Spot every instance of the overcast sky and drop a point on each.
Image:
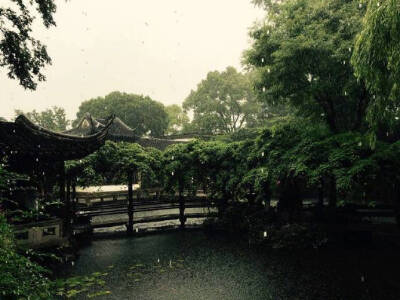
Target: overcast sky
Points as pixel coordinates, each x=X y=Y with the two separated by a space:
x=158 y=48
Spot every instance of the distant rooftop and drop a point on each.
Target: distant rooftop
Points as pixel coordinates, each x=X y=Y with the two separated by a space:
x=119 y=131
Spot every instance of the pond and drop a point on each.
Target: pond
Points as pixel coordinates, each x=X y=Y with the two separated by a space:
x=193 y=265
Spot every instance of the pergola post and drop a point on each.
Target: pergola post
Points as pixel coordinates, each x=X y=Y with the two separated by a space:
x=73 y=198
x=130 y=203
x=68 y=205
x=182 y=217
x=67 y=221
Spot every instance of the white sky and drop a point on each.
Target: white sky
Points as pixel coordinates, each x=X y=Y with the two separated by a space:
x=159 y=48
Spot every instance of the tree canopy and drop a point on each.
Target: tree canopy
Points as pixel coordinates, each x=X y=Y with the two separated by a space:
x=52 y=118
x=223 y=102
x=141 y=113
x=302 y=57
x=20 y=52
x=177 y=119
x=376 y=58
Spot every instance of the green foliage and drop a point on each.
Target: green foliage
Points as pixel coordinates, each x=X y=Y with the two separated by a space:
x=301 y=55
x=22 y=54
x=73 y=286
x=223 y=103
x=52 y=118
x=141 y=113
x=376 y=59
x=112 y=162
x=177 y=119
x=20 y=278
x=296 y=236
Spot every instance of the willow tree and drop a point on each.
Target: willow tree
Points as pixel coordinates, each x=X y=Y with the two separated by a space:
x=376 y=59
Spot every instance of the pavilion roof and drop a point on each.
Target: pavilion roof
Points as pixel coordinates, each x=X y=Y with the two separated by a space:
x=27 y=139
x=119 y=132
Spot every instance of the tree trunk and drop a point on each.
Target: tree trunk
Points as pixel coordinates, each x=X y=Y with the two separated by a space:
x=332 y=194
x=320 y=203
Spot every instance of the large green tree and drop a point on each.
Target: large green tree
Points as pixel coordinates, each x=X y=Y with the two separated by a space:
x=177 y=119
x=223 y=102
x=302 y=56
x=376 y=59
x=52 y=118
x=20 y=52
x=141 y=113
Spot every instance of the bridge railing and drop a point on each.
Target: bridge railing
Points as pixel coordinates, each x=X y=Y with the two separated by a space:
x=149 y=205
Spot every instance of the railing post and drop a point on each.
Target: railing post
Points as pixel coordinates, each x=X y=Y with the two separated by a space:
x=130 y=202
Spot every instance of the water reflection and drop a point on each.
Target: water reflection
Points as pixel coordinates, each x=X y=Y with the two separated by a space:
x=192 y=265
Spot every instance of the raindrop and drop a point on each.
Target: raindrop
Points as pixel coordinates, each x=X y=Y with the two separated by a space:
x=349 y=49
x=172 y=173
x=359 y=5
x=344 y=62
x=362 y=278
x=13 y=130
x=38 y=146
x=396 y=118
x=378 y=4
x=262 y=154
x=269 y=70
x=345 y=93
x=322 y=115
x=265 y=234
x=360 y=144
x=268 y=31
x=172 y=157
x=263 y=89
x=262 y=59
x=158 y=260
x=37 y=159
x=309 y=77
x=72 y=263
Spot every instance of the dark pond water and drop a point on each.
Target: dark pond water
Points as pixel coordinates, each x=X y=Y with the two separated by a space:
x=193 y=265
